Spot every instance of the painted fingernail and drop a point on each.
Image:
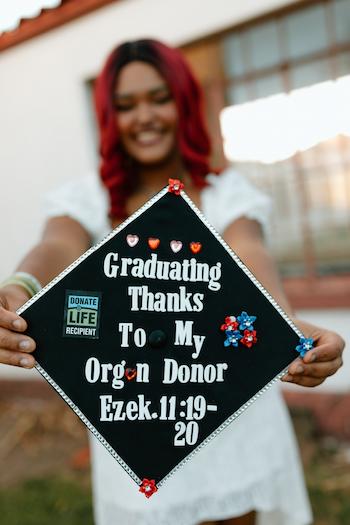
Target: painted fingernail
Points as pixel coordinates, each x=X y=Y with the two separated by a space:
x=25 y=344
x=17 y=324
x=25 y=362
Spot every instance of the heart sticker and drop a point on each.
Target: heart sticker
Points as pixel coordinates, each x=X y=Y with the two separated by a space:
x=132 y=240
x=195 y=247
x=176 y=246
x=153 y=243
x=130 y=373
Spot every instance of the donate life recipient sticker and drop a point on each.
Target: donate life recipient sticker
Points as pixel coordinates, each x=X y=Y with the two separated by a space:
x=159 y=337
x=81 y=314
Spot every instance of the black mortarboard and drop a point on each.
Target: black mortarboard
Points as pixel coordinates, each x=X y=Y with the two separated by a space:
x=159 y=336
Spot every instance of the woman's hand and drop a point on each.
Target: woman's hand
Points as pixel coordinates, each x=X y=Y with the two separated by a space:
x=63 y=241
x=15 y=348
x=319 y=363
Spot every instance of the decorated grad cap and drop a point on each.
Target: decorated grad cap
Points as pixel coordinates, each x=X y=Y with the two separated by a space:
x=159 y=336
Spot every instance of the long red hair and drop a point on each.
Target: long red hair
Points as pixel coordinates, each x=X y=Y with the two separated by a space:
x=194 y=143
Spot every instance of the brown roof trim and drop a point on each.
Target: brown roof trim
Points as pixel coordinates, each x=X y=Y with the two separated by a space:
x=49 y=19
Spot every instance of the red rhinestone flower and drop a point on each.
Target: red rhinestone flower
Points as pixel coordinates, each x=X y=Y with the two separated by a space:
x=229 y=324
x=249 y=338
x=148 y=487
x=175 y=186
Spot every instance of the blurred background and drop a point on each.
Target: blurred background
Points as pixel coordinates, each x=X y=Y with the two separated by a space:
x=276 y=76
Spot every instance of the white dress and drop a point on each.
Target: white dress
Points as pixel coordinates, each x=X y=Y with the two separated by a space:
x=254 y=463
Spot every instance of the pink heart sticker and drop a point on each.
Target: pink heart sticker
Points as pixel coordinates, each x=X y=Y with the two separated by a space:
x=176 y=246
x=132 y=240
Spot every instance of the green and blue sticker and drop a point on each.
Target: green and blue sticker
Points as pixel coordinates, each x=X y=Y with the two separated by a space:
x=82 y=314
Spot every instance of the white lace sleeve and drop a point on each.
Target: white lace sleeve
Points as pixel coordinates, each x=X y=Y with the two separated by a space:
x=231 y=196
x=83 y=199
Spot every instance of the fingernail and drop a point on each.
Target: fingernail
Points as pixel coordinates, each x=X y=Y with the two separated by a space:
x=313 y=357
x=287 y=377
x=25 y=362
x=25 y=344
x=17 y=324
x=299 y=369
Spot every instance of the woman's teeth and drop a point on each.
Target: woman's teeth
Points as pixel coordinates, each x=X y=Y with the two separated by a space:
x=148 y=137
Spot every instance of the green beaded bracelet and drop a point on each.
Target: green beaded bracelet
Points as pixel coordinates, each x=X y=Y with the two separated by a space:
x=27 y=281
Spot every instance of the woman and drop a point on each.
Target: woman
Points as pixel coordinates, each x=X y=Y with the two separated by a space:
x=151 y=128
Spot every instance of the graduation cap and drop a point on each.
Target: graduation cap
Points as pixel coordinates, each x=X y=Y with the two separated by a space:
x=159 y=336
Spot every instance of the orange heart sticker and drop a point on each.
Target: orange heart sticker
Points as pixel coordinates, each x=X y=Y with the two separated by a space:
x=153 y=243
x=195 y=247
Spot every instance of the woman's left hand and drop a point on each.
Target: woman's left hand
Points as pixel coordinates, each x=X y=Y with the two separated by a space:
x=319 y=363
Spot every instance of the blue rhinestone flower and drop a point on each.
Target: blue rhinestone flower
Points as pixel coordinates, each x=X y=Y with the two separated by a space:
x=232 y=338
x=246 y=321
x=305 y=344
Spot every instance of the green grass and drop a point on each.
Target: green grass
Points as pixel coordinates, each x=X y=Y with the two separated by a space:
x=51 y=501
x=330 y=508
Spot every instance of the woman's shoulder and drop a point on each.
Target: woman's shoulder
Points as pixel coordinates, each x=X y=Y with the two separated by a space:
x=230 y=179
x=82 y=198
x=231 y=195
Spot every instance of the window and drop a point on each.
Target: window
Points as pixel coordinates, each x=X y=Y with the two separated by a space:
x=294 y=49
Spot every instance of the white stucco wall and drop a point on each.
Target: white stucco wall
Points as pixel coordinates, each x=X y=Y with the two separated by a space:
x=46 y=129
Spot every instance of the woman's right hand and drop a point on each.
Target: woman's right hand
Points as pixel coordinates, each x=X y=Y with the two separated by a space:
x=15 y=347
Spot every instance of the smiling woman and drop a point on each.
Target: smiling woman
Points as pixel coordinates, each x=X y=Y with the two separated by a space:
x=149 y=108
x=151 y=128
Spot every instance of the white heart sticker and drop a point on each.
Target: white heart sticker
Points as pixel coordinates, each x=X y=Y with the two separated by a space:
x=132 y=240
x=176 y=246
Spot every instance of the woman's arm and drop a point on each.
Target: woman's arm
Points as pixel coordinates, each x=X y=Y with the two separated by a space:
x=245 y=238
x=63 y=241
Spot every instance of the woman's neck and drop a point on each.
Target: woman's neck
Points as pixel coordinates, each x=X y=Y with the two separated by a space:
x=153 y=178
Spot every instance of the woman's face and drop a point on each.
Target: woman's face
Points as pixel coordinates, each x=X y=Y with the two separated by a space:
x=146 y=114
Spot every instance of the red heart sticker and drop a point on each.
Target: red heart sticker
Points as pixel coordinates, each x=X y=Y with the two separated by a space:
x=196 y=247
x=130 y=373
x=153 y=243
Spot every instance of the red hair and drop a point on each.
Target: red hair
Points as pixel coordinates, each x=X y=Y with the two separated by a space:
x=193 y=138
